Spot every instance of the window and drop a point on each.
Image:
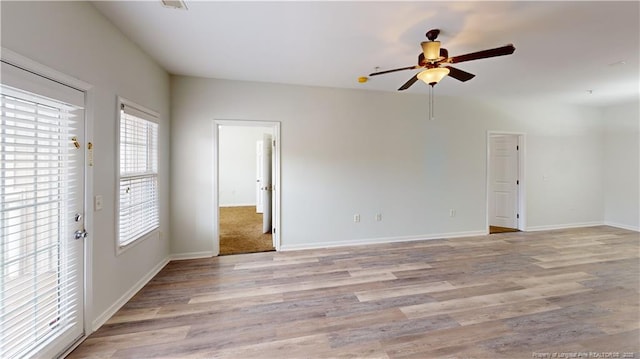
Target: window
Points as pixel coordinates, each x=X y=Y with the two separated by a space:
x=138 y=179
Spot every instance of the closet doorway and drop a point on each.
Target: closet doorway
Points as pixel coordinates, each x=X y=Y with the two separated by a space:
x=505 y=184
x=247 y=172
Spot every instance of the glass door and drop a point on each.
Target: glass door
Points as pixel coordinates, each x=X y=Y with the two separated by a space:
x=41 y=215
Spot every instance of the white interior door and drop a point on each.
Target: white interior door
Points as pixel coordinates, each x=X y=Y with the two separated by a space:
x=259 y=167
x=266 y=183
x=41 y=209
x=503 y=179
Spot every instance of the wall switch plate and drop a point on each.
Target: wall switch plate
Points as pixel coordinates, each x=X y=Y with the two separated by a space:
x=356 y=218
x=379 y=217
x=452 y=213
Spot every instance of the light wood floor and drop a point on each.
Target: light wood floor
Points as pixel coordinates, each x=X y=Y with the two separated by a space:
x=511 y=295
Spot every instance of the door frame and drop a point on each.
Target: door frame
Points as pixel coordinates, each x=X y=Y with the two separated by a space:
x=276 y=218
x=258 y=188
x=522 y=189
x=39 y=69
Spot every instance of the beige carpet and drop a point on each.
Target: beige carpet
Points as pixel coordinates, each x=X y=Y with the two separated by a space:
x=496 y=229
x=241 y=231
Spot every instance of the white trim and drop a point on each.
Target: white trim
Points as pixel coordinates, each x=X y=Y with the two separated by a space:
x=42 y=70
x=153 y=117
x=104 y=317
x=216 y=189
x=522 y=188
x=88 y=210
x=276 y=218
x=522 y=174
x=192 y=255
x=238 y=205
x=552 y=227
x=382 y=240
x=622 y=226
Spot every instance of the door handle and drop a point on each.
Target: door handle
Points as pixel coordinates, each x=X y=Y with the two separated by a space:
x=80 y=234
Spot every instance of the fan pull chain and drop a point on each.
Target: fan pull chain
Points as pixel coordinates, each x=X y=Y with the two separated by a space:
x=431 y=110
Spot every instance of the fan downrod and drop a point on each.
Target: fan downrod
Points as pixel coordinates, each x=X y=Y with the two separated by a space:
x=432 y=35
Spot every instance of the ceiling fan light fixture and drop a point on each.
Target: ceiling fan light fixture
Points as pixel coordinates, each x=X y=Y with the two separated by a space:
x=434 y=75
x=174 y=4
x=431 y=50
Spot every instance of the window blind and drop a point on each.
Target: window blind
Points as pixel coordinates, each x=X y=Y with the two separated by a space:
x=38 y=276
x=138 y=204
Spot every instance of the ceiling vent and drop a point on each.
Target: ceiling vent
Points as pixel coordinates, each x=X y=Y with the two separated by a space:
x=174 y=4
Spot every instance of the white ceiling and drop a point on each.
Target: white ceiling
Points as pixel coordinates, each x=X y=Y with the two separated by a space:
x=564 y=49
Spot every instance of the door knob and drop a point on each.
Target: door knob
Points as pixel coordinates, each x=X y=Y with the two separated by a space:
x=80 y=234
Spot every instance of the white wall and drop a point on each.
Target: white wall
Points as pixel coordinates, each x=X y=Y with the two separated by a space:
x=73 y=38
x=622 y=166
x=237 y=158
x=350 y=151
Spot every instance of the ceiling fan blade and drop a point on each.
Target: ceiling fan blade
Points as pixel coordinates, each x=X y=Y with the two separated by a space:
x=394 y=70
x=409 y=83
x=498 y=51
x=459 y=74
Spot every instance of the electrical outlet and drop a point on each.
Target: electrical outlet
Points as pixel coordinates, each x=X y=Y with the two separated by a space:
x=98 y=202
x=356 y=218
x=379 y=217
x=452 y=213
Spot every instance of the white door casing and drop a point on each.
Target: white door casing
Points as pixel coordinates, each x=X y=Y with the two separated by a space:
x=275 y=176
x=503 y=181
x=266 y=182
x=274 y=181
x=259 y=167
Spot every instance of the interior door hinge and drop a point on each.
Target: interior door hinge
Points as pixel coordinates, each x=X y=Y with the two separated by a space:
x=517 y=182
x=274 y=143
x=518 y=215
x=273 y=230
x=517 y=148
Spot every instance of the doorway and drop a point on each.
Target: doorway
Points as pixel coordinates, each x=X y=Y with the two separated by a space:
x=505 y=185
x=247 y=186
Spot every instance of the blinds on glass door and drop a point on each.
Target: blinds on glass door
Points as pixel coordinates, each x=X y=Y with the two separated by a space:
x=138 y=205
x=38 y=163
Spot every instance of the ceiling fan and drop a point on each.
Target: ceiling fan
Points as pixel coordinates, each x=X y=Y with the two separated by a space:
x=435 y=62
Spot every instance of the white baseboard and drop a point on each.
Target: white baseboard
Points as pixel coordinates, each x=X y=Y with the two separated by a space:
x=239 y=205
x=563 y=226
x=102 y=318
x=192 y=255
x=622 y=226
x=358 y=242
